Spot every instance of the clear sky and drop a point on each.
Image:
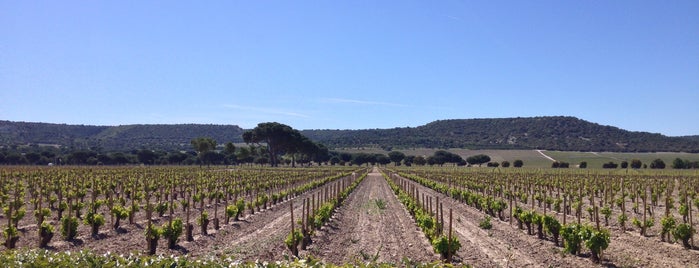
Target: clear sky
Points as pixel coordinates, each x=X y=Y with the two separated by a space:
x=350 y=64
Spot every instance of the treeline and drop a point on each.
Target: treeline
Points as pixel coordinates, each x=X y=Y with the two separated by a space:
x=113 y=138
x=658 y=163
x=549 y=133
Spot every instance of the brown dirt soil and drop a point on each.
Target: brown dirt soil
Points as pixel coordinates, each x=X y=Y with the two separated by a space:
x=506 y=245
x=372 y=224
x=501 y=246
x=255 y=237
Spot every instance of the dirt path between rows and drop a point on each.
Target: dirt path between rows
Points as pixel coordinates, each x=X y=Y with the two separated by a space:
x=257 y=237
x=503 y=245
x=372 y=225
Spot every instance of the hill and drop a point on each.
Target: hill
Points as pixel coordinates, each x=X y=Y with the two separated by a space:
x=115 y=138
x=549 y=133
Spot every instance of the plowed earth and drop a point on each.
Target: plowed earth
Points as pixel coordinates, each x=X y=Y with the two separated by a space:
x=507 y=246
x=372 y=225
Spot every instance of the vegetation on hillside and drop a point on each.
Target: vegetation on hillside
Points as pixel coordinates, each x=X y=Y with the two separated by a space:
x=114 y=138
x=549 y=133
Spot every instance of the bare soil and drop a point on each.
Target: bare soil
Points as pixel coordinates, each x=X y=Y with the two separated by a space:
x=361 y=230
x=507 y=246
x=258 y=236
x=372 y=225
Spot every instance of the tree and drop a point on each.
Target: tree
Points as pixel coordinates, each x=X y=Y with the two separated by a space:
x=676 y=164
x=203 y=145
x=396 y=157
x=212 y=157
x=176 y=157
x=146 y=156
x=383 y=159
x=431 y=161
x=278 y=138
x=624 y=164
x=408 y=160
x=80 y=157
x=244 y=155
x=360 y=159
x=419 y=160
x=478 y=159
x=32 y=157
x=611 y=164
x=441 y=157
x=583 y=164
x=346 y=157
x=321 y=153
x=229 y=148
x=334 y=160
x=16 y=159
x=657 y=164
x=505 y=164
x=636 y=164
x=518 y=163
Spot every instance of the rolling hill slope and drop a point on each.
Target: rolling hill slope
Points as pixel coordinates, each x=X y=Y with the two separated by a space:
x=115 y=138
x=550 y=133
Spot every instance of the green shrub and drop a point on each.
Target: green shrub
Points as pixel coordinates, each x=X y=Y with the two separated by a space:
x=485 y=223
x=45 y=233
x=684 y=232
x=69 y=227
x=596 y=241
x=240 y=207
x=11 y=236
x=161 y=208
x=444 y=247
x=668 y=224
x=172 y=231
x=553 y=227
x=571 y=238
x=292 y=241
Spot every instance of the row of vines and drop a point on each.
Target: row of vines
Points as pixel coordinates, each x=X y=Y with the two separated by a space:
x=430 y=220
x=37 y=201
x=578 y=207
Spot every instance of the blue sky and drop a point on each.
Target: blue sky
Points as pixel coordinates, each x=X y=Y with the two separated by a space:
x=350 y=64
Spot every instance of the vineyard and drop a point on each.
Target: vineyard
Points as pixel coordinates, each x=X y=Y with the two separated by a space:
x=402 y=216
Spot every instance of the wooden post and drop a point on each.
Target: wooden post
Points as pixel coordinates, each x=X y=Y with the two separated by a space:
x=294 y=250
x=303 y=216
x=441 y=215
x=545 y=204
x=597 y=216
x=623 y=204
x=643 y=226
x=308 y=214
x=691 y=223
x=564 y=209
x=449 y=238
x=511 y=208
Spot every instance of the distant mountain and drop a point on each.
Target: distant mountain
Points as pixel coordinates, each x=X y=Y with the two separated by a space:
x=115 y=138
x=550 y=133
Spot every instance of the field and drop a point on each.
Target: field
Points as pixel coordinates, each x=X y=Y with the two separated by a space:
x=534 y=159
x=397 y=216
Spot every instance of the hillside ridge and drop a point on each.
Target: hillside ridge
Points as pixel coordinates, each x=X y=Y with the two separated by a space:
x=563 y=133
